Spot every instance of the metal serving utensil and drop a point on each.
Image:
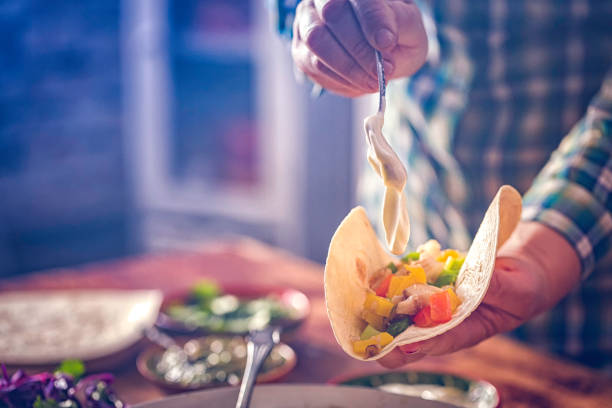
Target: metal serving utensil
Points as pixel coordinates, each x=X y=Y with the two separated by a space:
x=382 y=89
x=259 y=346
x=167 y=343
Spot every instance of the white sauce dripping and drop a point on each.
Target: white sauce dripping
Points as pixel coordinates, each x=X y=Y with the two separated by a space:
x=389 y=167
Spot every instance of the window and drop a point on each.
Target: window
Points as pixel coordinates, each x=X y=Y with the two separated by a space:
x=208 y=125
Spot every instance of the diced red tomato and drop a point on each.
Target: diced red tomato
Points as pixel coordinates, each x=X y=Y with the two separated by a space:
x=441 y=307
x=382 y=289
x=423 y=318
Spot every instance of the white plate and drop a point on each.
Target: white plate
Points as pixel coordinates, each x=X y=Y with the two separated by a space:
x=47 y=327
x=296 y=396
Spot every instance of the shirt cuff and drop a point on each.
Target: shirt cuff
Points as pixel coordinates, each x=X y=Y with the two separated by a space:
x=575 y=213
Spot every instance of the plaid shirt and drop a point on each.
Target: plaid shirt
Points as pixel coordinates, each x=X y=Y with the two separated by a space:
x=506 y=84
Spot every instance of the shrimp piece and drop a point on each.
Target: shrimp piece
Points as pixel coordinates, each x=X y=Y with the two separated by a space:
x=431 y=266
x=408 y=306
x=420 y=289
x=397 y=299
x=417 y=297
x=430 y=249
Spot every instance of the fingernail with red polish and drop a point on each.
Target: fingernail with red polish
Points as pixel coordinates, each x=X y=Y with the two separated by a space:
x=410 y=348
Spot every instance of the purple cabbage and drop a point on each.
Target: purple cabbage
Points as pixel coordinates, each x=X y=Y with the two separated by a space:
x=98 y=392
x=60 y=388
x=20 y=390
x=46 y=390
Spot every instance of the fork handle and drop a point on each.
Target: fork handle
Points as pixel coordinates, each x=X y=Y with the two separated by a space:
x=382 y=85
x=256 y=355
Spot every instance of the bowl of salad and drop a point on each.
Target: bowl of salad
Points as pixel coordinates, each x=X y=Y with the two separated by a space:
x=208 y=308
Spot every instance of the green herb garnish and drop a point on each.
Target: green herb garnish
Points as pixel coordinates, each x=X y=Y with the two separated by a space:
x=392 y=267
x=453 y=263
x=399 y=326
x=368 y=332
x=447 y=277
x=74 y=368
x=412 y=256
x=46 y=403
x=205 y=290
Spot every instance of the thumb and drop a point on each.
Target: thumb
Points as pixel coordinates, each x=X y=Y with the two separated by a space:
x=483 y=323
x=409 y=22
x=377 y=22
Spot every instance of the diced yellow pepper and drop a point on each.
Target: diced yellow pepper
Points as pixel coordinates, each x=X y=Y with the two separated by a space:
x=373 y=320
x=454 y=299
x=393 y=285
x=396 y=286
x=380 y=341
x=378 y=305
x=417 y=274
x=447 y=253
x=399 y=283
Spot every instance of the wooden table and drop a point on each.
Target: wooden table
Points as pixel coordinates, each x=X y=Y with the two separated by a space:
x=524 y=377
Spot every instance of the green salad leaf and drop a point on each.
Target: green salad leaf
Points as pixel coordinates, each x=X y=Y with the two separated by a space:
x=74 y=368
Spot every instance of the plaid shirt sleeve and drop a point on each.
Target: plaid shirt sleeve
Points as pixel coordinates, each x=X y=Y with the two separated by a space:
x=572 y=193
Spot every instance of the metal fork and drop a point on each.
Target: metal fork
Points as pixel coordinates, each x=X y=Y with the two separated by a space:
x=259 y=345
x=382 y=89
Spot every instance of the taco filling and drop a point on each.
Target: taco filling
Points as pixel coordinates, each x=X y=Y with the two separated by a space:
x=418 y=289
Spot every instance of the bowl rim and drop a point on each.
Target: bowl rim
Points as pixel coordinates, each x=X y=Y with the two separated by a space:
x=310 y=388
x=341 y=379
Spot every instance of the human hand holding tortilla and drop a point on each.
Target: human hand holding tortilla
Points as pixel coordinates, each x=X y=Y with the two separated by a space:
x=355 y=257
x=534 y=269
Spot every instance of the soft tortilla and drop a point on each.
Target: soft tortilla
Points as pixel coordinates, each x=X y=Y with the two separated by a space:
x=355 y=253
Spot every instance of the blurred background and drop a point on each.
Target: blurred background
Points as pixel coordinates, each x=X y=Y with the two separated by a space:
x=134 y=126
